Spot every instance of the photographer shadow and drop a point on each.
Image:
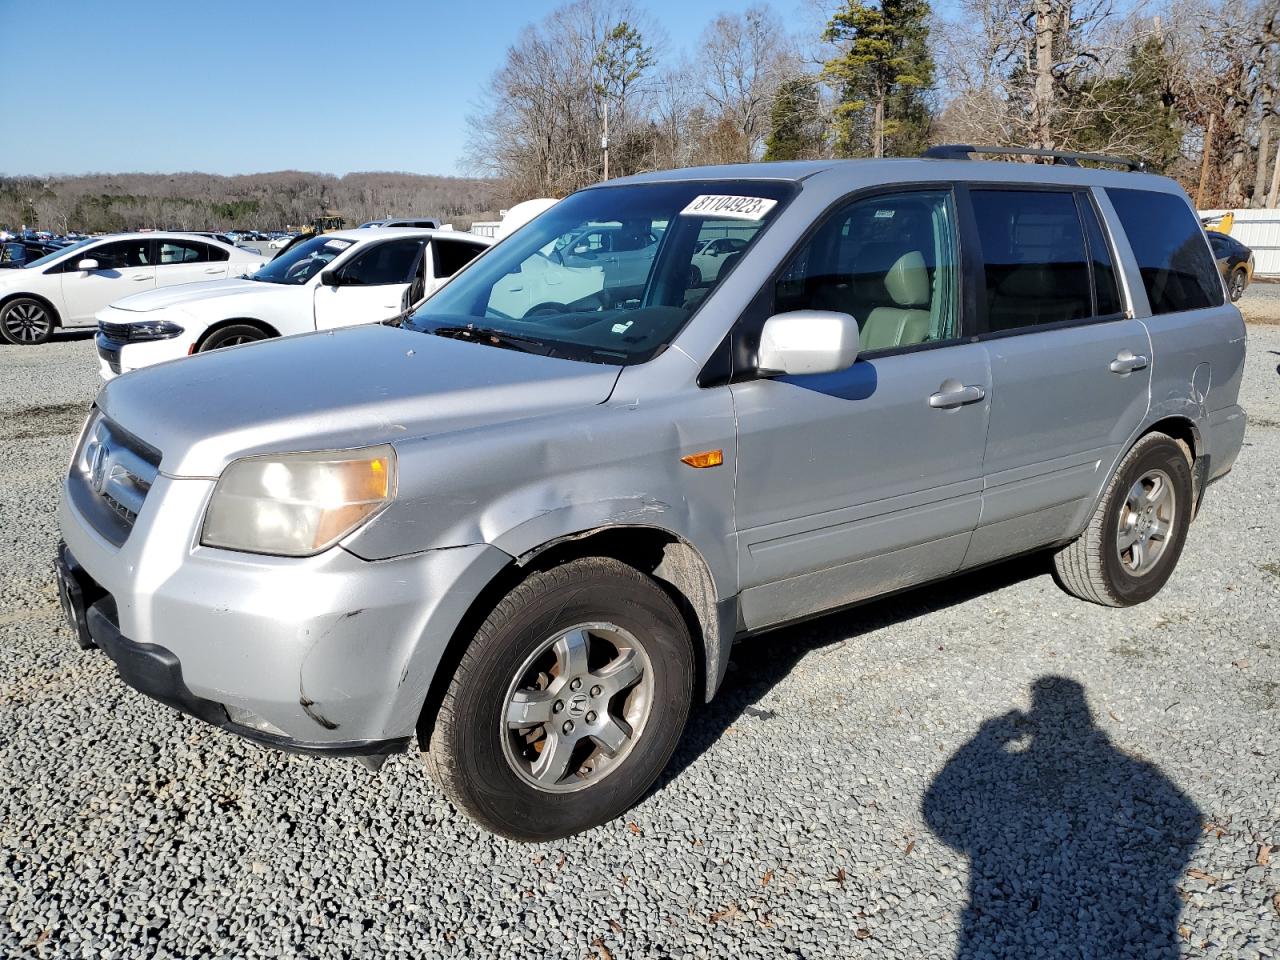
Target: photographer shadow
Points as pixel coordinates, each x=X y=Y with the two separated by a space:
x=1075 y=848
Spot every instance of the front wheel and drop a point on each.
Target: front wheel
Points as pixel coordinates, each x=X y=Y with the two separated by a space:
x=1132 y=543
x=231 y=336
x=568 y=703
x=26 y=322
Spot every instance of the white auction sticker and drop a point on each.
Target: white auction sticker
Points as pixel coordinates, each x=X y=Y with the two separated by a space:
x=730 y=208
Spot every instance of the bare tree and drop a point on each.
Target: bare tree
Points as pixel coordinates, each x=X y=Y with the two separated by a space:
x=743 y=56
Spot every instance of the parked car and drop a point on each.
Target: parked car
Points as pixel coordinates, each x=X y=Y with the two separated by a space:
x=67 y=287
x=331 y=280
x=1235 y=262
x=220 y=237
x=425 y=223
x=713 y=255
x=527 y=543
x=18 y=253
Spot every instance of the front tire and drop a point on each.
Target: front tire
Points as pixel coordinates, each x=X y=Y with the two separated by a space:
x=1134 y=539
x=231 y=336
x=26 y=322
x=568 y=703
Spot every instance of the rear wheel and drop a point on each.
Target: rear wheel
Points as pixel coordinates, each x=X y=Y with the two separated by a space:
x=1238 y=282
x=1132 y=543
x=231 y=336
x=26 y=321
x=568 y=703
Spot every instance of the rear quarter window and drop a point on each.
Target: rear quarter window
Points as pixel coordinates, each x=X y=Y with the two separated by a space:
x=1173 y=256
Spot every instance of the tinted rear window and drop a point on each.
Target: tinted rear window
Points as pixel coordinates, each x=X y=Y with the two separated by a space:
x=1177 y=269
x=1033 y=253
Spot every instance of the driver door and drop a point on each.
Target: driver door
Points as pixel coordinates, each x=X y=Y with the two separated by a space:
x=124 y=267
x=371 y=285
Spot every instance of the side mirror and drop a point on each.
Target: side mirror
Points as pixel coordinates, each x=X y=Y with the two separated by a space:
x=335 y=278
x=88 y=263
x=808 y=341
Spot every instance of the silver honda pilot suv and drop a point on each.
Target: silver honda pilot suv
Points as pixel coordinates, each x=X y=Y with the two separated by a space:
x=521 y=531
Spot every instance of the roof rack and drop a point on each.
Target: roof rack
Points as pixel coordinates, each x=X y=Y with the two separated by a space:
x=961 y=151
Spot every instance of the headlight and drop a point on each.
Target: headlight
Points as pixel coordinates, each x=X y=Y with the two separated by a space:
x=153 y=330
x=298 y=504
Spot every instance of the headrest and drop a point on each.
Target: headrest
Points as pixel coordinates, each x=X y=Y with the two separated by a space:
x=908 y=280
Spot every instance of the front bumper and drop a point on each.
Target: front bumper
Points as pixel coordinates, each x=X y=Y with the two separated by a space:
x=122 y=356
x=155 y=671
x=322 y=654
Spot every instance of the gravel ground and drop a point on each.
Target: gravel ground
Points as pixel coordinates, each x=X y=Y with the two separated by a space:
x=1261 y=301
x=986 y=768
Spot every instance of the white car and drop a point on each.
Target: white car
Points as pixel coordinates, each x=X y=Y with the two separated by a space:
x=713 y=255
x=68 y=287
x=331 y=280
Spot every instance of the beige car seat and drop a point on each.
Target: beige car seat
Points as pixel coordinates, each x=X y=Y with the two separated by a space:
x=907 y=283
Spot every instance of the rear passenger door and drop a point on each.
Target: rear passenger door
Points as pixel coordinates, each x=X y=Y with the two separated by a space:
x=186 y=261
x=1070 y=371
x=867 y=480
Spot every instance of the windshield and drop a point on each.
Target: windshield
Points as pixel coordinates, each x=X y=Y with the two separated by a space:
x=50 y=257
x=303 y=262
x=609 y=274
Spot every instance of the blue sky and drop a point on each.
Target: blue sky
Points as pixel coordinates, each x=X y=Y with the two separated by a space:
x=242 y=87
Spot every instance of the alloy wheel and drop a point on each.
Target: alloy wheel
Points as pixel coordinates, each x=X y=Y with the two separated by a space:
x=1145 y=522
x=27 y=322
x=577 y=706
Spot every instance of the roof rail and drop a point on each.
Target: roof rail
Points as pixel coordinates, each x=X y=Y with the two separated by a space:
x=961 y=151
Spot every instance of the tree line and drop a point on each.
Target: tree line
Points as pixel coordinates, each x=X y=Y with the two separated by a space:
x=1189 y=86
x=103 y=203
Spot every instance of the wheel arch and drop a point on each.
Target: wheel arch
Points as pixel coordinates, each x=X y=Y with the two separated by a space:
x=23 y=294
x=669 y=559
x=213 y=328
x=1185 y=432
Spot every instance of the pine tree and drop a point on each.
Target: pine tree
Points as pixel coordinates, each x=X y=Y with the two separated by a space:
x=795 y=126
x=882 y=77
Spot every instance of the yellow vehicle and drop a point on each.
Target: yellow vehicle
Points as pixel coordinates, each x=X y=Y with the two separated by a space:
x=327 y=223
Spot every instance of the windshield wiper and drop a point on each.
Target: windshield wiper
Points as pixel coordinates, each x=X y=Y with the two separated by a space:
x=493 y=336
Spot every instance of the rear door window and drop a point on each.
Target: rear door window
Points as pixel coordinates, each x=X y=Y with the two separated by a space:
x=453 y=255
x=1035 y=264
x=1173 y=256
x=183 y=251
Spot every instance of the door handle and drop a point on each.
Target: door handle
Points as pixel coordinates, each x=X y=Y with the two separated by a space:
x=140 y=279
x=955 y=394
x=1127 y=361
x=214 y=270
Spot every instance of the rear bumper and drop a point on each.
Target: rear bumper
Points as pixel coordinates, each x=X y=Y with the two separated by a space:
x=1226 y=438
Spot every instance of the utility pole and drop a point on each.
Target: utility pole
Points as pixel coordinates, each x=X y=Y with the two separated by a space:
x=604 y=140
x=1204 y=160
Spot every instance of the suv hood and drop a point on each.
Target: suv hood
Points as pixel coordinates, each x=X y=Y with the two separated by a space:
x=337 y=389
x=185 y=294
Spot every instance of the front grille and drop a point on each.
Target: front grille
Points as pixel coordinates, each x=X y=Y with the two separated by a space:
x=111 y=476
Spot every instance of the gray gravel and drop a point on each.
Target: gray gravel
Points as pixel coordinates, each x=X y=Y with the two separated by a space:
x=862 y=788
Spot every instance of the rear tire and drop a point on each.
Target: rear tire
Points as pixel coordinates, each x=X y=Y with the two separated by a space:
x=231 y=336
x=26 y=322
x=567 y=704
x=1236 y=287
x=1134 y=539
